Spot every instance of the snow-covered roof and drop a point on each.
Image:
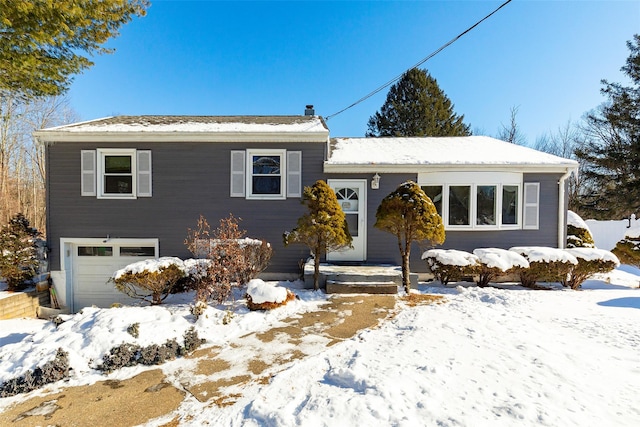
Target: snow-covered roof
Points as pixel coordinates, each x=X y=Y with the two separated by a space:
x=190 y=128
x=398 y=153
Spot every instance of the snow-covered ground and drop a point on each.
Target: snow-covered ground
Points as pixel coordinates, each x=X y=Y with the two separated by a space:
x=487 y=356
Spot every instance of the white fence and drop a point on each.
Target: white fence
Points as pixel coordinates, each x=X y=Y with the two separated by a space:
x=607 y=233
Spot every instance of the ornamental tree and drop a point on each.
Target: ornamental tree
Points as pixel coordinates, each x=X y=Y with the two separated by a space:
x=410 y=215
x=323 y=228
x=18 y=251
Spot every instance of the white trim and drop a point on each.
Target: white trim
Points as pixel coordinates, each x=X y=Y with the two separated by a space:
x=431 y=168
x=283 y=174
x=473 y=180
x=101 y=153
x=68 y=247
x=159 y=137
x=353 y=254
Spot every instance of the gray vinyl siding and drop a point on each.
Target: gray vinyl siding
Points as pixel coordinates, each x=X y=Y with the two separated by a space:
x=382 y=247
x=189 y=179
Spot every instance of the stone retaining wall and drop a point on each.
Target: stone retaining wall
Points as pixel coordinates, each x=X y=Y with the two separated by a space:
x=23 y=304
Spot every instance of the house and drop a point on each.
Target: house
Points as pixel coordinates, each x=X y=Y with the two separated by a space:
x=121 y=189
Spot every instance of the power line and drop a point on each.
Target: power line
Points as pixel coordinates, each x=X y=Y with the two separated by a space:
x=422 y=61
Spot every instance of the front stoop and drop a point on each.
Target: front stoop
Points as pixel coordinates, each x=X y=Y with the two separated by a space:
x=367 y=279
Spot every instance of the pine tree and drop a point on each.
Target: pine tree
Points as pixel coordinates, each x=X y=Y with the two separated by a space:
x=323 y=228
x=409 y=214
x=18 y=251
x=416 y=106
x=611 y=149
x=42 y=42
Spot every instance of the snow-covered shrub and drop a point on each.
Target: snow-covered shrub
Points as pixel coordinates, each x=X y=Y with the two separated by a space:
x=590 y=262
x=264 y=296
x=134 y=330
x=233 y=260
x=52 y=371
x=450 y=265
x=545 y=264
x=495 y=262
x=578 y=233
x=149 y=278
x=18 y=252
x=628 y=249
x=129 y=354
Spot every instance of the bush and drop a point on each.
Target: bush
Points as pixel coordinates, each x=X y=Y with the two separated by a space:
x=52 y=371
x=449 y=265
x=495 y=262
x=628 y=249
x=545 y=264
x=590 y=262
x=18 y=252
x=264 y=296
x=578 y=233
x=128 y=354
x=232 y=259
x=149 y=278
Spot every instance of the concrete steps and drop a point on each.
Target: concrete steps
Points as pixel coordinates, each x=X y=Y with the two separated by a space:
x=340 y=287
x=361 y=279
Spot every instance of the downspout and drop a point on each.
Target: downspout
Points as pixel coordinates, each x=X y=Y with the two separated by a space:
x=561 y=209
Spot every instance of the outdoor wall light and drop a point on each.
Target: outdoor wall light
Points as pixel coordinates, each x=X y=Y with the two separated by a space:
x=375 y=182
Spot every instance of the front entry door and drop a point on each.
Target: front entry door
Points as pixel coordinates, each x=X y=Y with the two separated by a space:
x=352 y=198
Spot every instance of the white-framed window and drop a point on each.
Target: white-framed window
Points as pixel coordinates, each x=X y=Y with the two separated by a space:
x=483 y=201
x=110 y=173
x=266 y=174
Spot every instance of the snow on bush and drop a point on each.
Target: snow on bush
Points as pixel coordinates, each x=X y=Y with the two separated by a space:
x=449 y=264
x=578 y=233
x=494 y=262
x=545 y=264
x=590 y=262
x=264 y=296
x=149 y=278
x=628 y=249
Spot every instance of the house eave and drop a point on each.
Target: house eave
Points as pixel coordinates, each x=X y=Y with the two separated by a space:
x=49 y=137
x=433 y=168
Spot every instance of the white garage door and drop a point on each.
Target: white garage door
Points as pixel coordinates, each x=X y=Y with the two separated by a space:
x=94 y=265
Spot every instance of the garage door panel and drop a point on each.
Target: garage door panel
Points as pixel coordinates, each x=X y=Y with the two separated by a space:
x=90 y=284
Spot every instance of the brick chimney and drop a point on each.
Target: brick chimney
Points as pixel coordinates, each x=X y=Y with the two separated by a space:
x=309 y=111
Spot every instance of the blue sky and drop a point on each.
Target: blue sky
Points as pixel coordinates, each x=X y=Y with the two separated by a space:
x=273 y=57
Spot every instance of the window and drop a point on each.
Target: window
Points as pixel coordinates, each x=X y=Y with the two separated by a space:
x=434 y=192
x=116 y=173
x=486 y=205
x=95 y=251
x=509 y=204
x=143 y=251
x=459 y=205
x=482 y=200
x=266 y=174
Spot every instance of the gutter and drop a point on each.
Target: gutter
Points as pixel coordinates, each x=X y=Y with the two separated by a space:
x=561 y=209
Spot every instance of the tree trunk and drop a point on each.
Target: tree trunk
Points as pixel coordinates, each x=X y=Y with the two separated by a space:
x=316 y=272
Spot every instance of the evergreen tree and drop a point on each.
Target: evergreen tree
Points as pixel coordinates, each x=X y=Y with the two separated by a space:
x=611 y=148
x=409 y=214
x=42 y=42
x=416 y=106
x=323 y=228
x=18 y=251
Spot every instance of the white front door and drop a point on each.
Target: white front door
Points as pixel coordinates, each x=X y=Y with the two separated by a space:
x=352 y=198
